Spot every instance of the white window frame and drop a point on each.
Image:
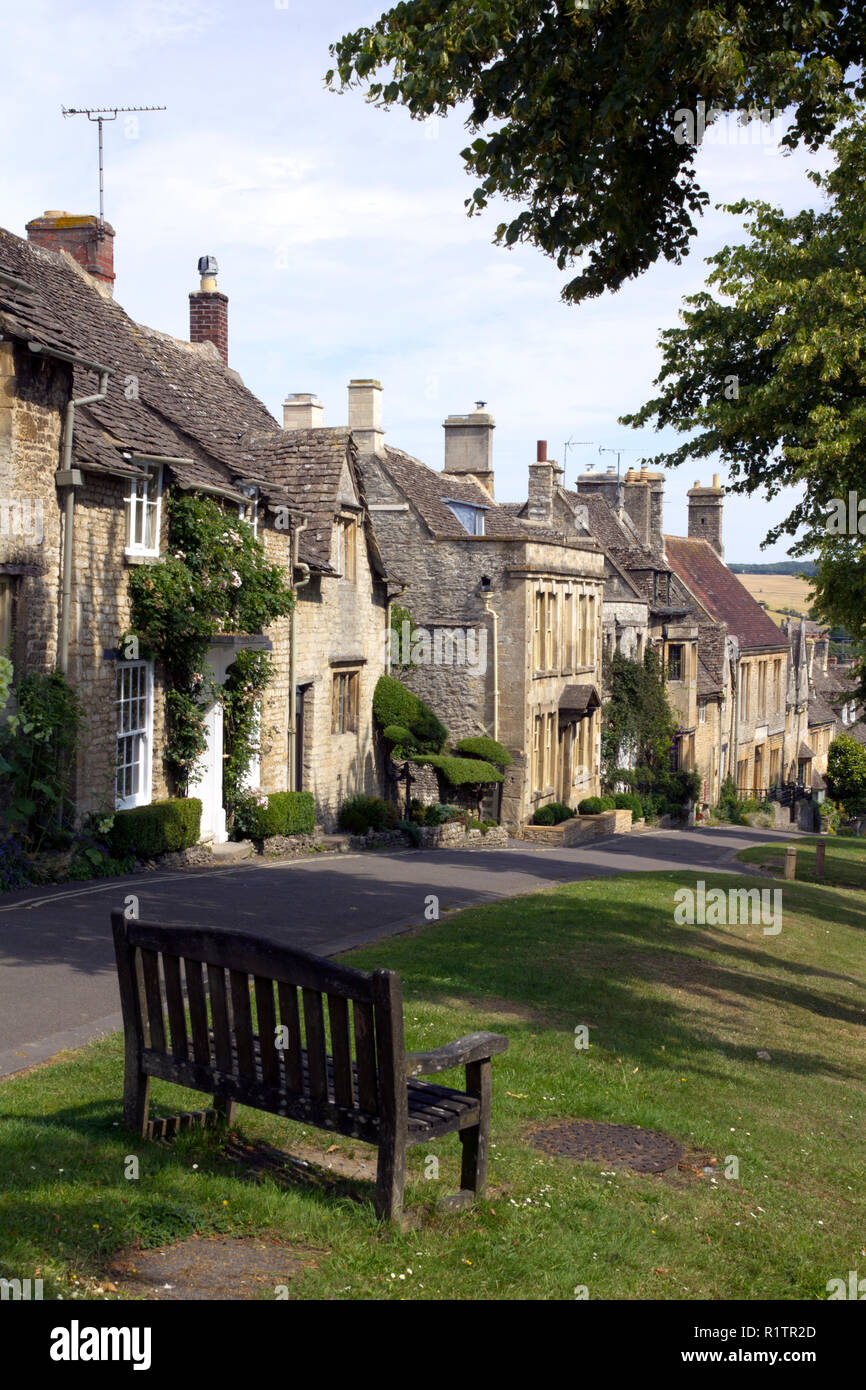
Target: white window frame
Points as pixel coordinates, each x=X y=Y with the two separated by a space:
x=249 y=512
x=143 y=733
x=137 y=505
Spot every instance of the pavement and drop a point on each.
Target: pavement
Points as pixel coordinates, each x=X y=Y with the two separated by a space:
x=58 y=986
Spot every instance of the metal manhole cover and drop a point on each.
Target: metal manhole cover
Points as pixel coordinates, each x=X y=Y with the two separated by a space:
x=625 y=1146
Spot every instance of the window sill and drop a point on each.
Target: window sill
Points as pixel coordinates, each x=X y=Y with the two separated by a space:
x=141 y=557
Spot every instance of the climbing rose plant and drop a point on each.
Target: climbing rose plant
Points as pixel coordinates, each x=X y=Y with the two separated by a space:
x=214 y=579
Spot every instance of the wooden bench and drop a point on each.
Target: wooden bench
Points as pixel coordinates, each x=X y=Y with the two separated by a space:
x=187 y=995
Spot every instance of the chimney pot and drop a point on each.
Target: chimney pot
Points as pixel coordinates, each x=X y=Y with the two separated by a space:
x=541 y=451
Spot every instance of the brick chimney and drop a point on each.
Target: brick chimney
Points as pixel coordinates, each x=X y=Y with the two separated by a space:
x=303 y=411
x=544 y=478
x=209 y=310
x=365 y=415
x=90 y=244
x=706 y=505
x=469 y=445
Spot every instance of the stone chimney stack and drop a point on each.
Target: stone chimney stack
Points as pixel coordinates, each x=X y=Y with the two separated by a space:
x=365 y=415
x=469 y=445
x=643 y=500
x=209 y=310
x=303 y=411
x=706 y=505
x=544 y=478
x=90 y=244
x=603 y=485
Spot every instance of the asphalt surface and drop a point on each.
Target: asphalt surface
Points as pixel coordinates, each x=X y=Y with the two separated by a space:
x=57 y=977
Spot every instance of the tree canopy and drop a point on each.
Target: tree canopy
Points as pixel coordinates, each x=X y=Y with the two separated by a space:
x=768 y=372
x=638 y=724
x=576 y=105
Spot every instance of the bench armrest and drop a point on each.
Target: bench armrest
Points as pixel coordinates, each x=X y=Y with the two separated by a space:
x=476 y=1047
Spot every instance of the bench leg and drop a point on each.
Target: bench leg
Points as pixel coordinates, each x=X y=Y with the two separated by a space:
x=136 y=1097
x=225 y=1110
x=391 y=1177
x=475 y=1141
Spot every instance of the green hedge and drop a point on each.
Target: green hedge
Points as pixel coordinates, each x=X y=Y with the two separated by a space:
x=462 y=772
x=629 y=801
x=396 y=707
x=294 y=812
x=362 y=813
x=163 y=827
x=594 y=805
x=486 y=748
x=552 y=814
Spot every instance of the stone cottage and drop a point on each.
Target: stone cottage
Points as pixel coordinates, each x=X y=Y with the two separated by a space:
x=507 y=616
x=101 y=421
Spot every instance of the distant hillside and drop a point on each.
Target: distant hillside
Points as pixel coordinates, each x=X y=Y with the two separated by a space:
x=780 y=567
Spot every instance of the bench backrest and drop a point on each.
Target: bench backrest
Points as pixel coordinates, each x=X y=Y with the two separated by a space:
x=189 y=995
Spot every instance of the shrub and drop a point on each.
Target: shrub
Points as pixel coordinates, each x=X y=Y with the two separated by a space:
x=402 y=738
x=438 y=814
x=163 y=827
x=294 y=812
x=412 y=829
x=558 y=811
x=487 y=749
x=395 y=706
x=590 y=806
x=629 y=801
x=545 y=815
x=362 y=813
x=462 y=772
x=16 y=871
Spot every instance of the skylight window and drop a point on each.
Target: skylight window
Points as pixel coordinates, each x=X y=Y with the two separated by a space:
x=471 y=518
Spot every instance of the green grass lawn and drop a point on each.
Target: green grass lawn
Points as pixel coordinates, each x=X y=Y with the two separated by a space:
x=844 y=863
x=676 y=1017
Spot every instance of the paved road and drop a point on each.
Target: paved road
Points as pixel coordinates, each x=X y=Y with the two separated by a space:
x=57 y=980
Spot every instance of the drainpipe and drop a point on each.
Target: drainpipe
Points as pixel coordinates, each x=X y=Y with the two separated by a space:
x=70 y=478
x=293 y=651
x=494 y=615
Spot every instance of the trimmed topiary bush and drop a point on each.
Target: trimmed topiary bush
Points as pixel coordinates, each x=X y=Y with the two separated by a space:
x=396 y=707
x=628 y=801
x=163 y=827
x=461 y=772
x=401 y=737
x=590 y=806
x=487 y=749
x=362 y=813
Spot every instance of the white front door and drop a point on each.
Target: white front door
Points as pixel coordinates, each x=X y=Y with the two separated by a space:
x=208 y=786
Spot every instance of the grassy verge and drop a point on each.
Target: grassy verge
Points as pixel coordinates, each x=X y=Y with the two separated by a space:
x=676 y=1017
x=844 y=863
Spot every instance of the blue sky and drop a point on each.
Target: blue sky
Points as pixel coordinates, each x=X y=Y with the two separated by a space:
x=341 y=233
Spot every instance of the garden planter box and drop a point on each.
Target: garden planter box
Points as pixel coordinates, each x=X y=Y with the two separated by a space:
x=580 y=829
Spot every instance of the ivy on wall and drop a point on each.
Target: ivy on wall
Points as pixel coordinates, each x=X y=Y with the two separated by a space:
x=215 y=578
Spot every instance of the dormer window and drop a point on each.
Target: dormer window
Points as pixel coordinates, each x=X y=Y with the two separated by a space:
x=471 y=518
x=143 y=505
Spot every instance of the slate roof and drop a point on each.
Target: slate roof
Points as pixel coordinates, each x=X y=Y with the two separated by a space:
x=721 y=593
x=425 y=489
x=819 y=711
x=308 y=464
x=164 y=396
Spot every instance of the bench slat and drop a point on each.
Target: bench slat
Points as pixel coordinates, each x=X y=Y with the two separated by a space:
x=153 y=999
x=267 y=1030
x=314 y=1024
x=176 y=1010
x=288 y=996
x=197 y=1011
x=365 y=1053
x=253 y=956
x=341 y=1051
x=222 y=1033
x=243 y=1023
